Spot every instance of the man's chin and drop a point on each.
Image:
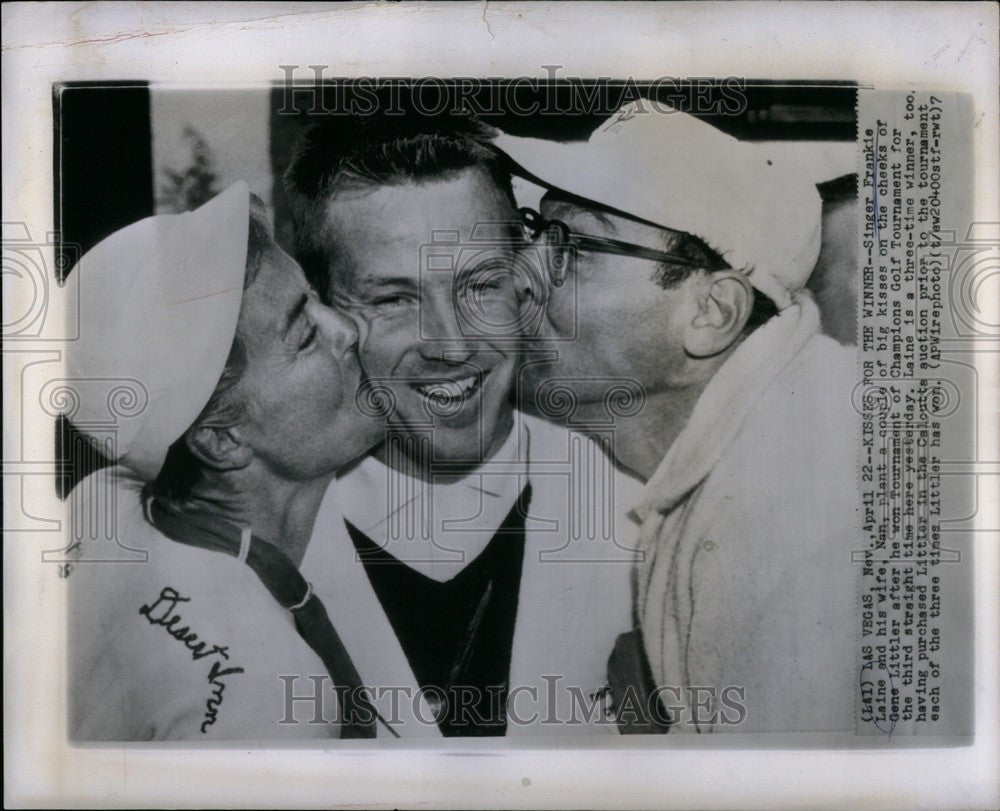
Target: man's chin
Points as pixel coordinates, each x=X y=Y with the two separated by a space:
x=460 y=449
x=542 y=386
x=463 y=438
x=443 y=451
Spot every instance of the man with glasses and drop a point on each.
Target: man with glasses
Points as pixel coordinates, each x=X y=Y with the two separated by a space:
x=461 y=563
x=677 y=256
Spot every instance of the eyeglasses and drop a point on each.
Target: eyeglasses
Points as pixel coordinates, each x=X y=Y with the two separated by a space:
x=560 y=241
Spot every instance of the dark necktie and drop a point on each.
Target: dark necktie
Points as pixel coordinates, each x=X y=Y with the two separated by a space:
x=285 y=583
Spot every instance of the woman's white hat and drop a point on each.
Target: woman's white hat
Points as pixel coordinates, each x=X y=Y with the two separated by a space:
x=159 y=304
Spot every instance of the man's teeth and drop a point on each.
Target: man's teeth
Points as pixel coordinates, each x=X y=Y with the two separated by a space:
x=449 y=389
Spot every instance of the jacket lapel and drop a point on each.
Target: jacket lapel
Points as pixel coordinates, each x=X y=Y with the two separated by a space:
x=575 y=594
x=341 y=583
x=575 y=589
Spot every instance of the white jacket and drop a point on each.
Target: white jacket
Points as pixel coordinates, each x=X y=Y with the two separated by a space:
x=575 y=593
x=750 y=522
x=138 y=674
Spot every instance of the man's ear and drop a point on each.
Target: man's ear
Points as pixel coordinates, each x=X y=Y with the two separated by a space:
x=724 y=300
x=219 y=448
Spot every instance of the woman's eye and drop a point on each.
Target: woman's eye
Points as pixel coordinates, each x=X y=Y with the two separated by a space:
x=310 y=338
x=388 y=301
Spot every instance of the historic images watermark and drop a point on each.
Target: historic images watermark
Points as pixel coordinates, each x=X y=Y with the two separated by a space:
x=549 y=703
x=41 y=323
x=315 y=90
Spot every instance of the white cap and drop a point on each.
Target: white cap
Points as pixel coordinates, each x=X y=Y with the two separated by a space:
x=751 y=202
x=159 y=303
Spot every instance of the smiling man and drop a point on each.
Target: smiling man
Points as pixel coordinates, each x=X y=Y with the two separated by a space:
x=462 y=562
x=415 y=294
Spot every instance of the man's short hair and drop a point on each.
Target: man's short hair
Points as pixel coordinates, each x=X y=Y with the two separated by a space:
x=341 y=154
x=182 y=471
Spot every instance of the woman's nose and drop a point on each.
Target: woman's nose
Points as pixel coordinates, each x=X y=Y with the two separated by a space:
x=342 y=333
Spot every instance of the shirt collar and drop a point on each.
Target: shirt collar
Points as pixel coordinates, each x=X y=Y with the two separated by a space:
x=726 y=403
x=495 y=484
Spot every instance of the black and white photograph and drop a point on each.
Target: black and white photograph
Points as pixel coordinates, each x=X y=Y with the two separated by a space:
x=635 y=414
x=453 y=497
